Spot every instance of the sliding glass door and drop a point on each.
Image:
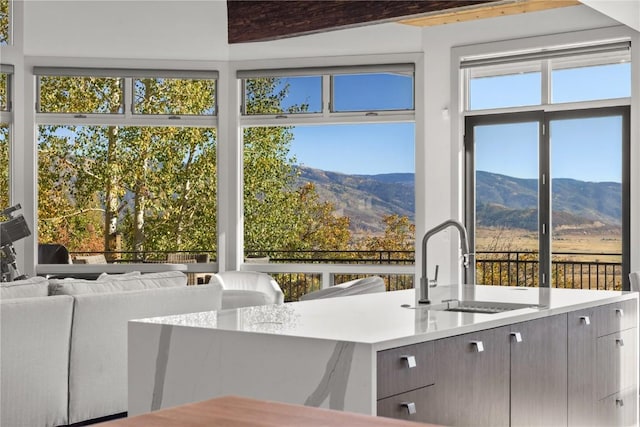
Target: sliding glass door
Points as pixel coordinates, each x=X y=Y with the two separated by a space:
x=504 y=165
x=547 y=198
x=588 y=154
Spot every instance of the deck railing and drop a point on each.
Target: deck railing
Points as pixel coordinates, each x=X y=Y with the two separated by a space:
x=300 y=272
x=577 y=270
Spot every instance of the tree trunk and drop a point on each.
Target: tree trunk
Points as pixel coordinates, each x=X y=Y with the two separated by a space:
x=111 y=197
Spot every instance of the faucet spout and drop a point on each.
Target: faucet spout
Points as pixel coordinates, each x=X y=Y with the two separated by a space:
x=464 y=246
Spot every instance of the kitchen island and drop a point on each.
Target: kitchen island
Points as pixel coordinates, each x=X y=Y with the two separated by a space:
x=561 y=357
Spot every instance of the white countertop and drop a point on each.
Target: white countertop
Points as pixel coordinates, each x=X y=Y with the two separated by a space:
x=382 y=321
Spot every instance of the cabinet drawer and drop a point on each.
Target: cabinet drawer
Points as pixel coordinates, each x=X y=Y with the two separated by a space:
x=616 y=317
x=618 y=409
x=405 y=368
x=416 y=405
x=616 y=362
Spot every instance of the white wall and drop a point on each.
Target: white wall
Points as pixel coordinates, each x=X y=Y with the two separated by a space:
x=174 y=32
x=181 y=29
x=625 y=11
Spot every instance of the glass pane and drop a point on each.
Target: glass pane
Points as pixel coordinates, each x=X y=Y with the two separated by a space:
x=307 y=200
x=372 y=92
x=586 y=168
x=585 y=83
x=505 y=86
x=4 y=92
x=506 y=160
x=280 y=95
x=4 y=165
x=174 y=96
x=5 y=20
x=145 y=194
x=80 y=95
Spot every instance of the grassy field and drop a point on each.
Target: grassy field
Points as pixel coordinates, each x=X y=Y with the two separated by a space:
x=594 y=240
x=588 y=269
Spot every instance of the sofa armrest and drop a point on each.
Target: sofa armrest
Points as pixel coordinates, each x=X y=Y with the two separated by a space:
x=98 y=361
x=34 y=360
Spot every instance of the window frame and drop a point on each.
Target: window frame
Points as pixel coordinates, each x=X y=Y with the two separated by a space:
x=327 y=115
x=513 y=63
x=548 y=111
x=8 y=70
x=127 y=117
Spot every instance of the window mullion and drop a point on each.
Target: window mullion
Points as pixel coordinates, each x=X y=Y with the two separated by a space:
x=127 y=97
x=327 y=95
x=545 y=82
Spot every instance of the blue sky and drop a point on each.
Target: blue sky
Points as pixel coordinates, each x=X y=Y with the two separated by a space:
x=587 y=150
x=366 y=149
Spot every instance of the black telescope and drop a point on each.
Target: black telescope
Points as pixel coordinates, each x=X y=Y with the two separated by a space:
x=12 y=229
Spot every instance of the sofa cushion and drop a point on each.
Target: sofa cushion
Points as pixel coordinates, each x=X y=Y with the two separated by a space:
x=165 y=279
x=28 y=288
x=121 y=276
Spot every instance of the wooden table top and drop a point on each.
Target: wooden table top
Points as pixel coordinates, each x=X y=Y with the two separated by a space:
x=233 y=411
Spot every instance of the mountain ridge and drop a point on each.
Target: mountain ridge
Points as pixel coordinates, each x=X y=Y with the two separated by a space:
x=501 y=200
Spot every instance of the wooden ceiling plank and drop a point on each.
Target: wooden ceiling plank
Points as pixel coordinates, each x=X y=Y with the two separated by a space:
x=261 y=20
x=491 y=11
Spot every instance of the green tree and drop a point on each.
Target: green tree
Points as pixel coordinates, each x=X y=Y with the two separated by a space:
x=153 y=185
x=278 y=214
x=399 y=235
x=4 y=22
x=4 y=166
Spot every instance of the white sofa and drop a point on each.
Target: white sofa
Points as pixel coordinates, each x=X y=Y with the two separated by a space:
x=63 y=343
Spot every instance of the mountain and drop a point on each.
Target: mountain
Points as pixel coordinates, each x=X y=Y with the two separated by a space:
x=505 y=200
x=501 y=200
x=364 y=198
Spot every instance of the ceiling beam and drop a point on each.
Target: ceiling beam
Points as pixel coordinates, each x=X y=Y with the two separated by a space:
x=260 y=20
x=486 y=11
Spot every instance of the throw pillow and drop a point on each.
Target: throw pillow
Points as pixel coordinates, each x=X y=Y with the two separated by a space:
x=132 y=283
x=27 y=288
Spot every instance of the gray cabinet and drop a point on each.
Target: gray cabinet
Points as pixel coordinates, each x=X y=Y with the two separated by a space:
x=404 y=379
x=581 y=392
x=616 y=364
x=575 y=369
x=414 y=405
x=539 y=372
x=602 y=366
x=472 y=379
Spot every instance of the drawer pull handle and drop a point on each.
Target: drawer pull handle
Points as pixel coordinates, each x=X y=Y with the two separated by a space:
x=619 y=342
x=619 y=312
x=516 y=336
x=478 y=346
x=411 y=361
x=619 y=402
x=585 y=320
x=411 y=407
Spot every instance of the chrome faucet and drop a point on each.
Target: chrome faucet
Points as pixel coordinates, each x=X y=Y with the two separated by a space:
x=425 y=283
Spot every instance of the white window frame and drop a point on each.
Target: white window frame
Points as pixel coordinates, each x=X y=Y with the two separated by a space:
x=533 y=47
x=327 y=115
x=127 y=118
x=372 y=63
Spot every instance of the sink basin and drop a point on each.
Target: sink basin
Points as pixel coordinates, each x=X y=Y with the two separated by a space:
x=481 y=307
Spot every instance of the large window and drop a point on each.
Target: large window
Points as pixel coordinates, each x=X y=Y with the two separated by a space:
x=325 y=192
x=548 y=196
x=130 y=181
x=6 y=72
x=5 y=22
